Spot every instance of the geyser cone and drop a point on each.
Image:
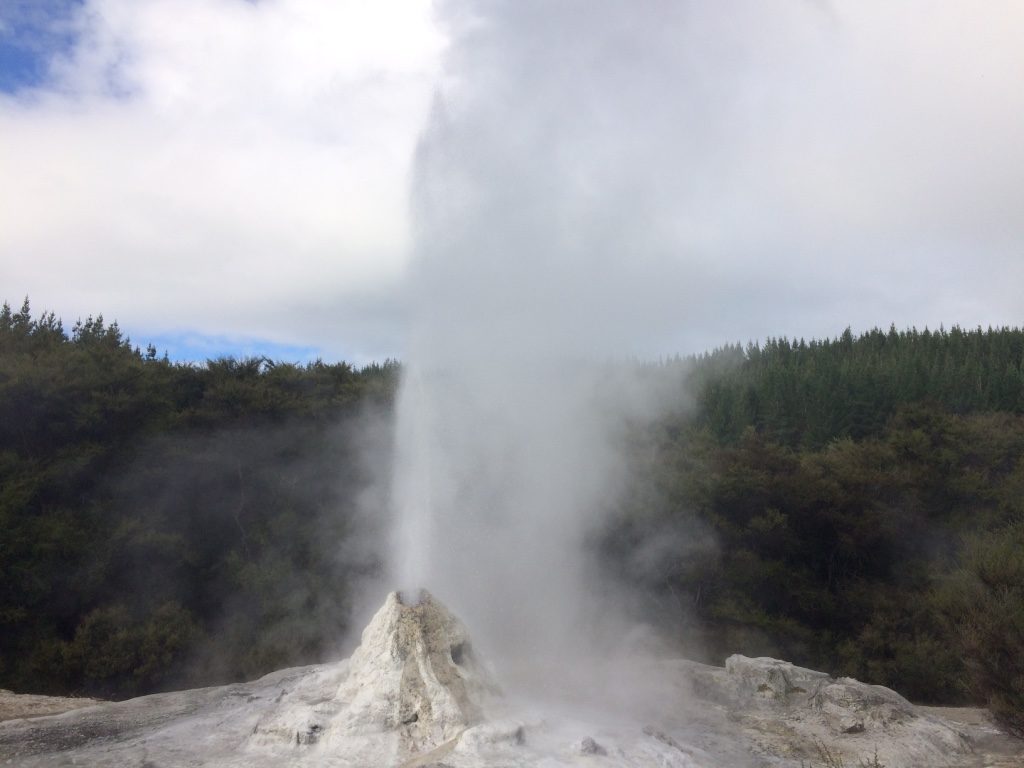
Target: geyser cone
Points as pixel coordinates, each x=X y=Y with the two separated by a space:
x=414 y=683
x=415 y=670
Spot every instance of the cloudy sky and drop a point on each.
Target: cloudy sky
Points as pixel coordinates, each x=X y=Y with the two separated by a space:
x=236 y=175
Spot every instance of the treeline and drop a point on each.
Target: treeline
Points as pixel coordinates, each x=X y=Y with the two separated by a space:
x=808 y=393
x=165 y=525
x=853 y=504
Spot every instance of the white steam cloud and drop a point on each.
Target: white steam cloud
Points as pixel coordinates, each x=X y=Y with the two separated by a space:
x=598 y=176
x=526 y=280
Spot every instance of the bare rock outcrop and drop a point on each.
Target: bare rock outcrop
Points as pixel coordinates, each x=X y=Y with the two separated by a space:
x=792 y=711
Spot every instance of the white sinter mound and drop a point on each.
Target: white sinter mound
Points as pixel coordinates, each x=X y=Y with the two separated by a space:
x=415 y=694
x=413 y=685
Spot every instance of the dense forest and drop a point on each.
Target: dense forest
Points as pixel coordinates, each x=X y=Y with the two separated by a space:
x=168 y=525
x=853 y=504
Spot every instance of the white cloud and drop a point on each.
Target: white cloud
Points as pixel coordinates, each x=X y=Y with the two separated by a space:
x=219 y=165
x=242 y=168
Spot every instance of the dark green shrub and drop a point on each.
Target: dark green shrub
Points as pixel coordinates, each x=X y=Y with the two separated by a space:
x=985 y=600
x=114 y=652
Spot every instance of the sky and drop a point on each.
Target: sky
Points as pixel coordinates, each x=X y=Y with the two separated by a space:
x=238 y=176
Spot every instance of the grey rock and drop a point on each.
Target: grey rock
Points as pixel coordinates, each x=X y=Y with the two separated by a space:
x=773 y=682
x=590 y=747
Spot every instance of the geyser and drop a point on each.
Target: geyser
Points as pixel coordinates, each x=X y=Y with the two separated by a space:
x=526 y=279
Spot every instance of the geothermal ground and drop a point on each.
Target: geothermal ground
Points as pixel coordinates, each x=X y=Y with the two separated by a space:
x=416 y=693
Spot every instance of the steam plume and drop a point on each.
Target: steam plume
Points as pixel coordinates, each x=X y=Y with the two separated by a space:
x=597 y=178
x=507 y=416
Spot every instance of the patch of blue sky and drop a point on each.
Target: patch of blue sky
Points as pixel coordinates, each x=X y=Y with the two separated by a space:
x=32 y=33
x=194 y=347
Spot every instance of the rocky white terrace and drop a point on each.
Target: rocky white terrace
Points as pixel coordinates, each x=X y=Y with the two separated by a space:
x=416 y=693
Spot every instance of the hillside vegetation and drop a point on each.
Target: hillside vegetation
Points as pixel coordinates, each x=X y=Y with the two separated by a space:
x=854 y=505
x=170 y=524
